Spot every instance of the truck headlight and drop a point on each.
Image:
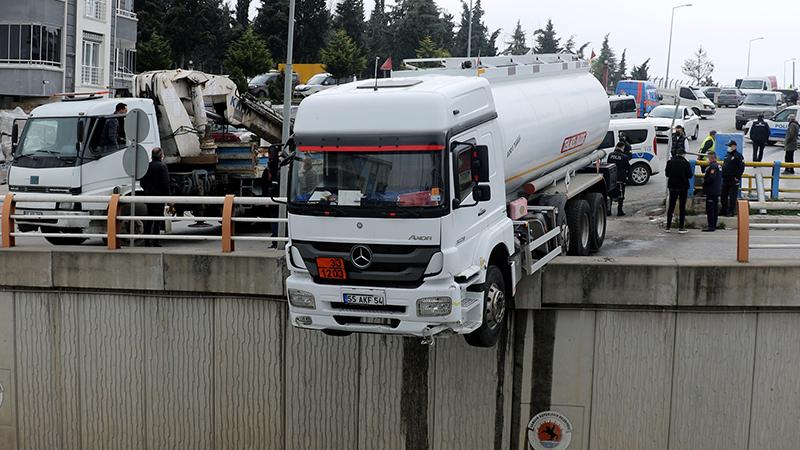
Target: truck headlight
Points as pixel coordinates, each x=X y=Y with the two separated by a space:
x=67 y=206
x=435 y=265
x=301 y=299
x=434 y=306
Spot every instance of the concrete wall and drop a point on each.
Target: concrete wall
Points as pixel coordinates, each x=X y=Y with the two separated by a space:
x=145 y=350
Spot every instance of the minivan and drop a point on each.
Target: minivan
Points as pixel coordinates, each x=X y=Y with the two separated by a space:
x=623 y=107
x=645 y=93
x=692 y=98
x=641 y=134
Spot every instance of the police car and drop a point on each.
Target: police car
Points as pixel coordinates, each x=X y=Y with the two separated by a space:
x=777 y=125
x=641 y=134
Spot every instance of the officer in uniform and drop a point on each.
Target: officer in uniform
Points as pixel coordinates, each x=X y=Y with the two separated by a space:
x=622 y=159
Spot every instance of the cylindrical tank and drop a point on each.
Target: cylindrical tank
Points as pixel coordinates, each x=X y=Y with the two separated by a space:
x=548 y=122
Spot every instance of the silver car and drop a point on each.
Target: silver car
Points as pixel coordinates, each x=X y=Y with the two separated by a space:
x=755 y=105
x=730 y=97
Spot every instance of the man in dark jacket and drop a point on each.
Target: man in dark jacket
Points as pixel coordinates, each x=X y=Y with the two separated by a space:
x=622 y=159
x=114 y=128
x=790 y=144
x=678 y=140
x=712 y=187
x=732 y=170
x=679 y=174
x=759 y=134
x=155 y=183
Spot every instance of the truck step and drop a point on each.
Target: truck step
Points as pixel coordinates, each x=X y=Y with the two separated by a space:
x=469 y=303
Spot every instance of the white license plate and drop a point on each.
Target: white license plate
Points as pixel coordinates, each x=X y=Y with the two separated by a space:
x=33 y=213
x=364 y=299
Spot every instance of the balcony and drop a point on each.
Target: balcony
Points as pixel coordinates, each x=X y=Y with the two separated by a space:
x=123 y=75
x=126 y=14
x=91 y=76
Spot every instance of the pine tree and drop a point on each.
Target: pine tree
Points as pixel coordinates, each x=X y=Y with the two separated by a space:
x=516 y=46
x=341 y=56
x=198 y=31
x=622 y=69
x=350 y=18
x=411 y=21
x=246 y=58
x=641 y=72
x=243 y=13
x=569 y=47
x=271 y=24
x=311 y=29
x=153 y=54
x=546 y=40
x=483 y=43
x=429 y=49
x=606 y=62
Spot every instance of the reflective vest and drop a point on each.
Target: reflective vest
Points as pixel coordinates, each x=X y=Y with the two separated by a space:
x=710 y=149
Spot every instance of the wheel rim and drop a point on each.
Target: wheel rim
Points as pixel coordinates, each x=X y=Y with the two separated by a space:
x=495 y=308
x=565 y=238
x=639 y=175
x=585 y=231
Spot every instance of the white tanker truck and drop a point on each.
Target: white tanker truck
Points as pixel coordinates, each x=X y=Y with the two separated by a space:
x=417 y=203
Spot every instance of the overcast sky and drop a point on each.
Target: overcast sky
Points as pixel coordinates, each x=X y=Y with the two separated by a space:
x=723 y=27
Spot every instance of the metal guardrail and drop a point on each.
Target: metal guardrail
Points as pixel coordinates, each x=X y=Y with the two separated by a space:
x=774 y=187
x=114 y=219
x=744 y=245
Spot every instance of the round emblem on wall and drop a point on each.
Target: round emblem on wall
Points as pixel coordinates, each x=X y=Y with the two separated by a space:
x=549 y=430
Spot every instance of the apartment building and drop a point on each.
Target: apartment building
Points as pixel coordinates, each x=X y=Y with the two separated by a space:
x=51 y=46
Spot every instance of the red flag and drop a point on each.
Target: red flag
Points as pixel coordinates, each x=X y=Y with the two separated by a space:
x=387 y=65
x=594 y=55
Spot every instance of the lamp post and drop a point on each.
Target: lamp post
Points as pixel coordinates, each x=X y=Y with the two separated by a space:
x=749 y=49
x=287 y=116
x=669 y=50
x=793 y=61
x=469 y=32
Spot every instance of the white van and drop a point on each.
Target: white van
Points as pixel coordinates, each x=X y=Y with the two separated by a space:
x=692 y=98
x=623 y=107
x=641 y=134
x=754 y=85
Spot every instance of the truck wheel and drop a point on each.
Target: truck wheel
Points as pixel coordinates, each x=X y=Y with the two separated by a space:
x=579 y=219
x=494 y=310
x=640 y=174
x=63 y=240
x=597 y=203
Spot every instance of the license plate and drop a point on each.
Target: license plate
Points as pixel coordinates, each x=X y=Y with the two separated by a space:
x=364 y=299
x=33 y=213
x=331 y=268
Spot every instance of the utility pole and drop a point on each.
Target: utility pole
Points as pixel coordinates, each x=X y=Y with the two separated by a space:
x=469 y=32
x=749 y=50
x=287 y=116
x=669 y=50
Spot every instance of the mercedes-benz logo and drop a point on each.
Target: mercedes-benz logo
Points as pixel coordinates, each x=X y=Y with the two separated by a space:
x=361 y=256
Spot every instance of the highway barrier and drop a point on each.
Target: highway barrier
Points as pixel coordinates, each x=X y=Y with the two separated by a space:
x=744 y=244
x=748 y=180
x=121 y=226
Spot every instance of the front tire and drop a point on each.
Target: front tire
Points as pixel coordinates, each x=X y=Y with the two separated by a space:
x=696 y=133
x=63 y=240
x=640 y=174
x=495 y=308
x=579 y=219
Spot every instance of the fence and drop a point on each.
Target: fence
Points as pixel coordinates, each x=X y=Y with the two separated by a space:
x=115 y=219
x=744 y=245
x=748 y=180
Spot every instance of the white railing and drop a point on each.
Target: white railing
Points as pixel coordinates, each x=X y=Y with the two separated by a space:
x=122 y=75
x=91 y=75
x=121 y=227
x=126 y=14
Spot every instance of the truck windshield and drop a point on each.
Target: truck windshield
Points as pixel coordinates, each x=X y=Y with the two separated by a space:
x=369 y=177
x=752 y=84
x=48 y=142
x=761 y=100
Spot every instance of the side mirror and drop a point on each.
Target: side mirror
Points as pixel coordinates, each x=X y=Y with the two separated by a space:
x=482 y=193
x=480 y=164
x=14 y=134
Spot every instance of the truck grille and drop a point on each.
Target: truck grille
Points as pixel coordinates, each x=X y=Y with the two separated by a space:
x=392 y=265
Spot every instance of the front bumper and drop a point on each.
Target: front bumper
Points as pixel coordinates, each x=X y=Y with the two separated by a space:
x=707 y=112
x=67 y=222
x=331 y=314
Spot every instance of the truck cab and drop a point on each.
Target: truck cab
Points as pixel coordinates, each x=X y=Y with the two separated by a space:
x=62 y=149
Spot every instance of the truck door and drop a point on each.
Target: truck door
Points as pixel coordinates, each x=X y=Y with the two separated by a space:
x=102 y=169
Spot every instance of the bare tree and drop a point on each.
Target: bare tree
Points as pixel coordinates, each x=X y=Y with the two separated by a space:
x=699 y=67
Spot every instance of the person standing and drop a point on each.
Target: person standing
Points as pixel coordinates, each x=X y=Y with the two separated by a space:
x=712 y=187
x=622 y=159
x=732 y=171
x=155 y=183
x=708 y=145
x=625 y=141
x=759 y=134
x=679 y=174
x=678 y=140
x=114 y=128
x=790 y=144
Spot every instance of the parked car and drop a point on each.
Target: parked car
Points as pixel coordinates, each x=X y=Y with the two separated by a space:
x=661 y=118
x=641 y=135
x=777 y=124
x=623 y=106
x=691 y=97
x=320 y=82
x=730 y=97
x=790 y=95
x=754 y=105
x=645 y=93
x=260 y=84
x=711 y=93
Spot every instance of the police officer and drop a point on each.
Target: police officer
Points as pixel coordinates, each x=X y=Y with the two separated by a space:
x=678 y=141
x=622 y=159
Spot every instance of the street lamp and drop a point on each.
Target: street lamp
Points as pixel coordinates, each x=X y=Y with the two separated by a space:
x=793 y=61
x=749 y=48
x=469 y=32
x=669 y=51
